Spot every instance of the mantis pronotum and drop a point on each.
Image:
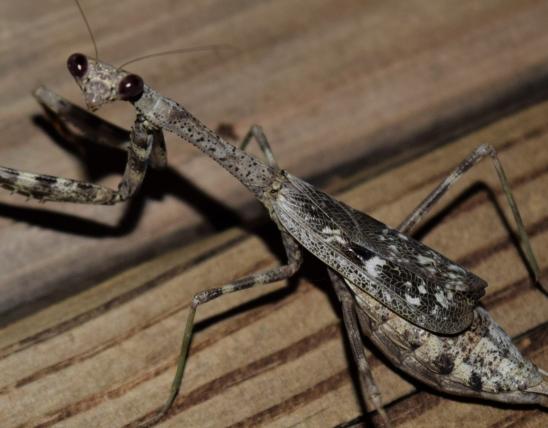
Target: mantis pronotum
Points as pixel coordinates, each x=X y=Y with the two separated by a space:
x=417 y=306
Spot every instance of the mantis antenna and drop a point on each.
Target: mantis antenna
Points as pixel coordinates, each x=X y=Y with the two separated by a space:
x=88 y=27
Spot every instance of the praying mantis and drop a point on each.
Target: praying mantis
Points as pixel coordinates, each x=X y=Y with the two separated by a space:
x=417 y=306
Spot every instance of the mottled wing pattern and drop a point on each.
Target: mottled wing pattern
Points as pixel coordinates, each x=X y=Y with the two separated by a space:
x=411 y=279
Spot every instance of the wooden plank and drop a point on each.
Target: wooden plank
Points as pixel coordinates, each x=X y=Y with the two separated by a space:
x=331 y=83
x=106 y=356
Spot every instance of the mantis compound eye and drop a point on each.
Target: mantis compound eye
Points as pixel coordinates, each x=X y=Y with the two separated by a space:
x=131 y=87
x=77 y=64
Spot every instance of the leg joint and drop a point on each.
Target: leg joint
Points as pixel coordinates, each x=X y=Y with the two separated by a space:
x=256 y=129
x=294 y=264
x=205 y=296
x=486 y=149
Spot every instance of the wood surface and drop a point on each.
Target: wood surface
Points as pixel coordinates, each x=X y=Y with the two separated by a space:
x=277 y=356
x=339 y=87
x=350 y=94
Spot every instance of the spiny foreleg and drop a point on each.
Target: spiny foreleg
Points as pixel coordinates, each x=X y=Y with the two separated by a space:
x=51 y=188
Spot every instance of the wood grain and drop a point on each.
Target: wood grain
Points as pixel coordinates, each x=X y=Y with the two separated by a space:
x=332 y=83
x=276 y=356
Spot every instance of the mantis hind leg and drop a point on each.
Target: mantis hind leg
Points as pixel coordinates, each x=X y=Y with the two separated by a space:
x=410 y=223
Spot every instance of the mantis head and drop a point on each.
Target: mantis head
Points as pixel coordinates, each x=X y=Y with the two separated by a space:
x=102 y=83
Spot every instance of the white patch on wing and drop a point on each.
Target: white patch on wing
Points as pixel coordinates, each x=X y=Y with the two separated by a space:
x=456 y=268
x=412 y=300
x=373 y=265
x=336 y=239
x=333 y=235
x=422 y=289
x=459 y=286
x=425 y=260
x=440 y=297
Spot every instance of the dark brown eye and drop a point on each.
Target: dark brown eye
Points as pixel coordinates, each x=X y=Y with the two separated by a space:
x=77 y=64
x=131 y=88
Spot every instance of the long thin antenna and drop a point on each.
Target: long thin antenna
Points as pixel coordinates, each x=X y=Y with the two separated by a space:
x=215 y=48
x=88 y=27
